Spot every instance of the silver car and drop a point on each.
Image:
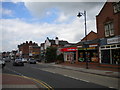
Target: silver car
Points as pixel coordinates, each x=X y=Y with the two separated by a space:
x=2 y=63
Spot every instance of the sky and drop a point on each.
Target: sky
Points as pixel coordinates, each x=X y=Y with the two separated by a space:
x=35 y=21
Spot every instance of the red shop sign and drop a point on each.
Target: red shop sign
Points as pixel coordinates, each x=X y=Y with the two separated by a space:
x=68 y=49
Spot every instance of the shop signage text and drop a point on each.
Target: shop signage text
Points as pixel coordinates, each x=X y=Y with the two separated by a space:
x=94 y=45
x=113 y=40
x=69 y=49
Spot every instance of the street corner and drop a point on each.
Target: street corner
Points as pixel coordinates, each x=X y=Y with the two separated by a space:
x=10 y=81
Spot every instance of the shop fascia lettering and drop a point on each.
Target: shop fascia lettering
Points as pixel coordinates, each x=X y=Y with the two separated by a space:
x=92 y=46
x=113 y=40
x=69 y=49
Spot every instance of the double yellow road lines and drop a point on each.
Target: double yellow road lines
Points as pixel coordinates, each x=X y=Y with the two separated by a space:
x=35 y=80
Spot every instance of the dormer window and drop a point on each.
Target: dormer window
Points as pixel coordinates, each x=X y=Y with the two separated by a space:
x=116 y=7
x=109 y=30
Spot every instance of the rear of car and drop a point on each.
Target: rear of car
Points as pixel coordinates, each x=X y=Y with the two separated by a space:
x=18 y=62
x=24 y=60
x=32 y=61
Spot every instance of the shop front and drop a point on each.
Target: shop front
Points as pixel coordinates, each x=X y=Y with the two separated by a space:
x=90 y=53
x=69 y=54
x=110 y=52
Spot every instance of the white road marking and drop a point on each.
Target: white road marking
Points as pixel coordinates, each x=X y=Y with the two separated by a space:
x=65 y=75
x=84 y=80
x=111 y=87
x=75 y=78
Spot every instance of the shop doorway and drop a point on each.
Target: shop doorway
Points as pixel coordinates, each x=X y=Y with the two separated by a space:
x=105 y=56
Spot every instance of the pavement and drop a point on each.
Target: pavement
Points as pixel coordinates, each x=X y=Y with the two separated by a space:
x=110 y=72
x=10 y=81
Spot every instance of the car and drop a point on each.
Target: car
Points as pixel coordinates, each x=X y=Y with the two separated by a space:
x=18 y=62
x=24 y=60
x=7 y=60
x=2 y=63
x=32 y=61
x=38 y=60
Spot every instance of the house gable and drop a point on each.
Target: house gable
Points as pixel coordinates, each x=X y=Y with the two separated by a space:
x=91 y=36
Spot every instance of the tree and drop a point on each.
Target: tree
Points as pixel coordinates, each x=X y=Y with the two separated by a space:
x=60 y=58
x=51 y=55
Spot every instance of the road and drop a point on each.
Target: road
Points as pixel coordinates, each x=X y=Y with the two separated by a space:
x=61 y=78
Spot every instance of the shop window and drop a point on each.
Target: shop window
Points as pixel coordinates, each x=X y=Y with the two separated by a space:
x=118 y=46
x=115 y=56
x=105 y=56
x=113 y=46
x=116 y=7
x=109 y=29
x=103 y=47
x=81 y=57
x=94 y=58
x=107 y=46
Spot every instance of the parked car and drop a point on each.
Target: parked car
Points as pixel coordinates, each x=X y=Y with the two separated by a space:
x=32 y=61
x=7 y=60
x=2 y=63
x=38 y=60
x=18 y=62
x=24 y=60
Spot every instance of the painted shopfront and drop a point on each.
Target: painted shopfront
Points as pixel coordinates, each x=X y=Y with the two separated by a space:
x=90 y=53
x=69 y=54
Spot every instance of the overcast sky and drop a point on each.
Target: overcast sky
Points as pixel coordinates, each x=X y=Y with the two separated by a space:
x=25 y=21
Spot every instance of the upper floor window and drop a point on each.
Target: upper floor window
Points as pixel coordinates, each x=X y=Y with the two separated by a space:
x=109 y=30
x=116 y=7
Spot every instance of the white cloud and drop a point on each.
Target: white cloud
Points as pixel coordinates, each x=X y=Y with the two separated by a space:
x=62 y=18
x=16 y=31
x=68 y=8
x=6 y=11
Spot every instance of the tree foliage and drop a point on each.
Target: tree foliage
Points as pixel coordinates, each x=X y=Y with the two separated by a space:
x=51 y=55
x=60 y=58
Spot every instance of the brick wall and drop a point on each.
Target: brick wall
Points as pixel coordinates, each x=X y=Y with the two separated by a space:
x=91 y=36
x=106 y=13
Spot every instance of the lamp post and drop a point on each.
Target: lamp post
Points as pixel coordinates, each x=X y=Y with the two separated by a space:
x=79 y=15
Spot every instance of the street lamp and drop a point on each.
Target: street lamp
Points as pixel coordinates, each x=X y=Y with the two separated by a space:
x=79 y=15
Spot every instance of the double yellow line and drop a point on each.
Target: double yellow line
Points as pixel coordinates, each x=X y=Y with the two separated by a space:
x=38 y=81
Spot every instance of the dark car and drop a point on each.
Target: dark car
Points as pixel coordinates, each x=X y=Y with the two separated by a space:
x=38 y=60
x=32 y=61
x=18 y=62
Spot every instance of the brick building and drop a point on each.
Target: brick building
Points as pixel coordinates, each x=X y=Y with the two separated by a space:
x=108 y=28
x=29 y=50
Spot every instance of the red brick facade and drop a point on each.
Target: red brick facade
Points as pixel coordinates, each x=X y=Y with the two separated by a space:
x=27 y=48
x=107 y=14
x=91 y=36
